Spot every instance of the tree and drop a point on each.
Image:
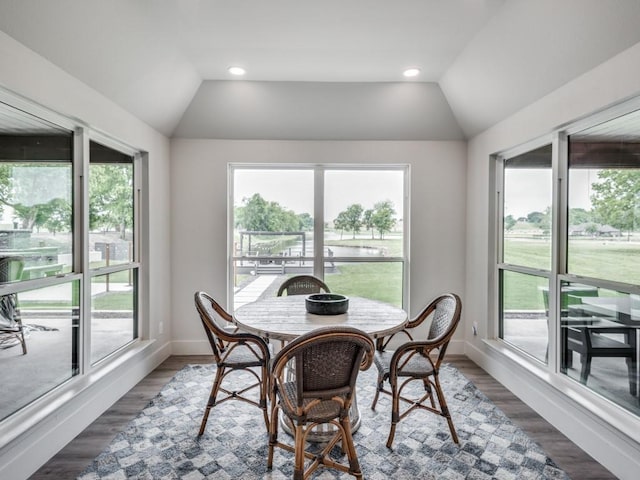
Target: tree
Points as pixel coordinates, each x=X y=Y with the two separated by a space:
x=383 y=217
x=535 y=217
x=305 y=222
x=57 y=215
x=29 y=189
x=579 y=216
x=509 y=222
x=616 y=198
x=111 y=197
x=260 y=215
x=353 y=217
x=340 y=223
x=545 y=221
x=367 y=220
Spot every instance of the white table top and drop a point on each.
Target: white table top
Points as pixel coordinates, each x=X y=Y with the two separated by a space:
x=285 y=318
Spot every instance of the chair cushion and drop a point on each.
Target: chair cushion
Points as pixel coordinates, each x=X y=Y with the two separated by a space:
x=241 y=356
x=418 y=366
x=322 y=412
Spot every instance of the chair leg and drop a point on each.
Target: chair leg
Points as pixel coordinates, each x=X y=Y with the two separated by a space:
x=395 y=413
x=444 y=408
x=379 y=386
x=568 y=358
x=347 y=441
x=23 y=341
x=298 y=469
x=264 y=387
x=212 y=399
x=273 y=432
x=633 y=379
x=585 y=360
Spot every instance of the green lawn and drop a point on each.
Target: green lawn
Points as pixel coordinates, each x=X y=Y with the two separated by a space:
x=113 y=301
x=378 y=281
x=610 y=260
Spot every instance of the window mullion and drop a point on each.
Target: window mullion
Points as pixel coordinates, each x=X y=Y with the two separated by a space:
x=558 y=242
x=318 y=223
x=81 y=245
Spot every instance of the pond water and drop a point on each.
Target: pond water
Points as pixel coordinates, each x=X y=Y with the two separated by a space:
x=332 y=251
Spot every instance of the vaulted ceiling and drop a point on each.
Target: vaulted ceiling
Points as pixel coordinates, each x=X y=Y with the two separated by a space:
x=328 y=69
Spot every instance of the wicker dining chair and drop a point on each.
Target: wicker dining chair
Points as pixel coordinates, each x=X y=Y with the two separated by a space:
x=233 y=351
x=11 y=327
x=413 y=360
x=313 y=381
x=303 y=285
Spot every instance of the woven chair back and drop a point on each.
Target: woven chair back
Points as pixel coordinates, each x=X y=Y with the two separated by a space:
x=327 y=361
x=303 y=285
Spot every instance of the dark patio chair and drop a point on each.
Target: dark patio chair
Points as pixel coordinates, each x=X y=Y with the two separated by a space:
x=413 y=361
x=302 y=285
x=233 y=351
x=11 y=328
x=313 y=383
x=594 y=336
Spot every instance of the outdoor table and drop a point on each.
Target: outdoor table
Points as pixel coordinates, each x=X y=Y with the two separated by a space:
x=609 y=312
x=286 y=318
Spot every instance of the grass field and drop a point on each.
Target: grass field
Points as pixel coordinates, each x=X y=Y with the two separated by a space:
x=378 y=281
x=610 y=260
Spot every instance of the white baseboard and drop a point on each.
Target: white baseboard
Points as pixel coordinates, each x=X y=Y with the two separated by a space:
x=31 y=449
x=190 y=347
x=609 y=446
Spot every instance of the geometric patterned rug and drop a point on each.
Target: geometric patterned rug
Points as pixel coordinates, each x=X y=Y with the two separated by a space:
x=162 y=442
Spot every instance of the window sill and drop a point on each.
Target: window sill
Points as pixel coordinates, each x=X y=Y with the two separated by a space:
x=602 y=410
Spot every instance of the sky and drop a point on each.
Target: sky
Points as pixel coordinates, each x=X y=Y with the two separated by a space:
x=529 y=190
x=293 y=189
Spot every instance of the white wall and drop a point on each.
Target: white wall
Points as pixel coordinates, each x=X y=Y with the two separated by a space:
x=199 y=212
x=611 y=82
x=250 y=110
x=30 y=76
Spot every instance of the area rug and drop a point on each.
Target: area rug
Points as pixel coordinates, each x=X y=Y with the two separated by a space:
x=162 y=443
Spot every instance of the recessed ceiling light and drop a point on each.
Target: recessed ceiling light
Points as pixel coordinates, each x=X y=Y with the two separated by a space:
x=411 y=72
x=236 y=71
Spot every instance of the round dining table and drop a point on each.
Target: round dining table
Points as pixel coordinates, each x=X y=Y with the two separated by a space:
x=286 y=318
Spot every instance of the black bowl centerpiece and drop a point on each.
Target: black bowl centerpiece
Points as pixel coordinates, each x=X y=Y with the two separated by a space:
x=327 y=303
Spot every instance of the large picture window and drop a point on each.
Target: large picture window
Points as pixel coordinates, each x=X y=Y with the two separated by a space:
x=575 y=276
x=343 y=225
x=526 y=251
x=68 y=266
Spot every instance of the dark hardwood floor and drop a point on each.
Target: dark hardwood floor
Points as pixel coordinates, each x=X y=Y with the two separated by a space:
x=71 y=460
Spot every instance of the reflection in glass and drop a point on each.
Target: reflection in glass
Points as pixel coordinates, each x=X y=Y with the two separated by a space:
x=524 y=312
x=110 y=207
x=35 y=195
x=604 y=201
x=527 y=209
x=49 y=317
x=377 y=281
x=113 y=314
x=599 y=342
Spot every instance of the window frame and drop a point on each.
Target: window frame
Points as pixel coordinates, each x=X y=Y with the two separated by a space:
x=550 y=373
x=82 y=134
x=319 y=220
